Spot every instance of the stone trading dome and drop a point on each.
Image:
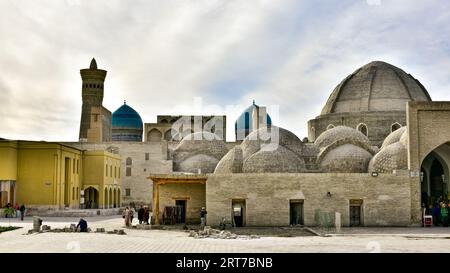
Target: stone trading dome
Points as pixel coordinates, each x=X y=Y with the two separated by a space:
x=253 y=142
x=393 y=156
x=340 y=133
x=267 y=150
x=394 y=137
x=127 y=124
x=279 y=160
x=346 y=158
x=200 y=150
x=344 y=150
x=377 y=86
x=372 y=100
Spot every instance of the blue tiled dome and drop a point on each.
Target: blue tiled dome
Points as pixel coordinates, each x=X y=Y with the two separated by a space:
x=127 y=124
x=245 y=122
x=126 y=117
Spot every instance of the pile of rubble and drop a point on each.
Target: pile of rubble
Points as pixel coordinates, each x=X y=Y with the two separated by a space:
x=209 y=232
x=73 y=228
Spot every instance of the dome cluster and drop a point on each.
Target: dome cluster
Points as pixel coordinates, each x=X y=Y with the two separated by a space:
x=393 y=154
x=343 y=150
x=198 y=151
x=267 y=150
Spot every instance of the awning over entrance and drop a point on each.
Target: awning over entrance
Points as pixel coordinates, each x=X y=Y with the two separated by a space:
x=163 y=179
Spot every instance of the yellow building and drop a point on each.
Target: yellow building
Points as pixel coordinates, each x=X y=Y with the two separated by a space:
x=102 y=179
x=52 y=175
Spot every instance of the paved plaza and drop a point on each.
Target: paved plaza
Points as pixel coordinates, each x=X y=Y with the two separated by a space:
x=151 y=241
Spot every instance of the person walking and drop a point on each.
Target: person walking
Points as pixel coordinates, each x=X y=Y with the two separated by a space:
x=146 y=215
x=141 y=215
x=17 y=208
x=126 y=216
x=132 y=211
x=22 y=211
x=436 y=214
x=203 y=213
x=444 y=214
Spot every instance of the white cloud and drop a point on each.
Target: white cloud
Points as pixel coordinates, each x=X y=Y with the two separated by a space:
x=162 y=54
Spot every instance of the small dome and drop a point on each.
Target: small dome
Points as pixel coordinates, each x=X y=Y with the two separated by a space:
x=393 y=137
x=346 y=158
x=340 y=133
x=377 y=86
x=204 y=163
x=231 y=162
x=280 y=160
x=126 y=124
x=245 y=121
x=391 y=157
x=274 y=135
x=198 y=146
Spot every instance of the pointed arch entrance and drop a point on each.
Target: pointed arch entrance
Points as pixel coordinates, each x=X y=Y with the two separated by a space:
x=434 y=175
x=91 y=197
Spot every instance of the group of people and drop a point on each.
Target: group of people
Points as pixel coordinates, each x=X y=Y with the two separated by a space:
x=20 y=210
x=440 y=212
x=128 y=215
x=144 y=215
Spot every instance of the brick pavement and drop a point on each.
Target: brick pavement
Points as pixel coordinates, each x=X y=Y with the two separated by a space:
x=151 y=241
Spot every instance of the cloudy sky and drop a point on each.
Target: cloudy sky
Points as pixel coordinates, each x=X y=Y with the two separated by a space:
x=206 y=56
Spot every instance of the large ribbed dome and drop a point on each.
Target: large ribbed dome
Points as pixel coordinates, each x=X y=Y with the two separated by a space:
x=127 y=124
x=377 y=86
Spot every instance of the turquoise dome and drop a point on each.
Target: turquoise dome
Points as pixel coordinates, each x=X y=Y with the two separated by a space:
x=127 y=124
x=245 y=122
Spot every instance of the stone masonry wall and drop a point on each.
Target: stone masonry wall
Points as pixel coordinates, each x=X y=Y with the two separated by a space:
x=386 y=198
x=194 y=194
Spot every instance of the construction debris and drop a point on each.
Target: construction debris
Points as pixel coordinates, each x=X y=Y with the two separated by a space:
x=209 y=232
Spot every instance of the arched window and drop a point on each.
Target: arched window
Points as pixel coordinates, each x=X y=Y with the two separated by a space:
x=168 y=135
x=395 y=126
x=362 y=128
x=154 y=135
x=129 y=161
x=90 y=85
x=331 y=126
x=163 y=121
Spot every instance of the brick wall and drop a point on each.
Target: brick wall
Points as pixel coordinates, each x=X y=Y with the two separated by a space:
x=386 y=198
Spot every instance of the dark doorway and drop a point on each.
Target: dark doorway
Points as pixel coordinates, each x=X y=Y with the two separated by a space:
x=437 y=180
x=355 y=213
x=181 y=211
x=238 y=211
x=296 y=212
x=66 y=181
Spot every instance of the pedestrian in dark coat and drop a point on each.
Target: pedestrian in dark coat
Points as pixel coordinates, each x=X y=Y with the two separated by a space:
x=22 y=211
x=141 y=215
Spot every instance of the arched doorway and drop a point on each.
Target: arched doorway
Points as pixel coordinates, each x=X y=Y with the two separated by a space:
x=91 y=198
x=105 y=199
x=434 y=175
x=115 y=199
x=111 y=201
x=119 y=197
